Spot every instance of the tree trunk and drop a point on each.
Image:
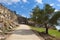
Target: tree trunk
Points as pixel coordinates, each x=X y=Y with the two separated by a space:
x=46 y=28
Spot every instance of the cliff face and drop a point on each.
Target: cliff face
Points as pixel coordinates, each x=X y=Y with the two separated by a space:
x=8 y=18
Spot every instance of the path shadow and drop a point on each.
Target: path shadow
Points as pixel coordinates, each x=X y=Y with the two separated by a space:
x=23 y=32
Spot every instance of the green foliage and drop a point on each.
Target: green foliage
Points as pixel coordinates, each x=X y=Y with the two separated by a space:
x=38 y=29
x=54 y=33
x=35 y=12
x=42 y=15
x=51 y=31
x=48 y=9
x=55 y=17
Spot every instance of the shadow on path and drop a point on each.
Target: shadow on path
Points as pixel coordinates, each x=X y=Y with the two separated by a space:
x=23 y=32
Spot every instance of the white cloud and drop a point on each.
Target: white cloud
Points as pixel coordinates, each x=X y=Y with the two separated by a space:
x=58 y=0
x=15 y=0
x=9 y=1
x=24 y=1
x=56 y=10
x=23 y=15
x=31 y=13
x=39 y=1
x=52 y=4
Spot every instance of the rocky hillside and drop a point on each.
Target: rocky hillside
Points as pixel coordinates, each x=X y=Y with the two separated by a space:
x=8 y=19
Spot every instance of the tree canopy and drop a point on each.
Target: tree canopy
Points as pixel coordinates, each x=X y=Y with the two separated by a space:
x=42 y=16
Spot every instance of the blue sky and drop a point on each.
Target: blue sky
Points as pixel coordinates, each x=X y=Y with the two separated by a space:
x=24 y=7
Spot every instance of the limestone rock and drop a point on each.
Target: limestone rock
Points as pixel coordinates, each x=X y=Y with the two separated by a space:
x=7 y=18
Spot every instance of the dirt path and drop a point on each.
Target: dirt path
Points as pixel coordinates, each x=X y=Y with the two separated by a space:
x=23 y=32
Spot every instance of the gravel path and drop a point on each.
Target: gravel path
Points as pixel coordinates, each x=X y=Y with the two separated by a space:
x=23 y=32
